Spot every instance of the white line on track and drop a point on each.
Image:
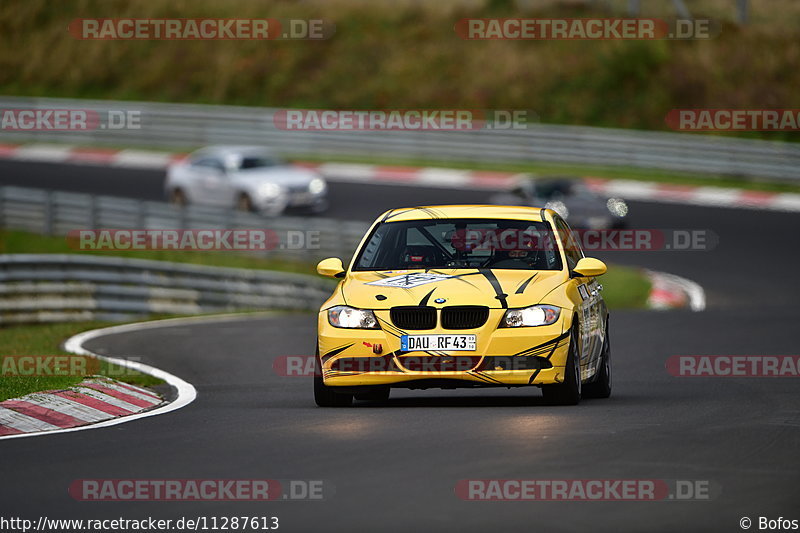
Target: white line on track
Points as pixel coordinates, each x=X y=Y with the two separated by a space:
x=186 y=393
x=693 y=290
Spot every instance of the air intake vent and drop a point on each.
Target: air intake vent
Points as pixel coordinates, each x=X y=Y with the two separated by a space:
x=413 y=317
x=464 y=316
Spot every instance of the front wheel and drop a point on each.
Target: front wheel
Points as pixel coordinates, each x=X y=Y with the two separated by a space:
x=325 y=396
x=568 y=392
x=178 y=198
x=244 y=203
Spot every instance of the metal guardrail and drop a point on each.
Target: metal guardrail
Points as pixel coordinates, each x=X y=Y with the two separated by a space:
x=57 y=213
x=185 y=125
x=71 y=287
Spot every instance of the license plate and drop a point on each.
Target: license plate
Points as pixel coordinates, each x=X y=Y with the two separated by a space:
x=450 y=343
x=301 y=198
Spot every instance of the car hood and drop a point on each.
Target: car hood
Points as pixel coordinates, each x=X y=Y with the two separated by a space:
x=282 y=175
x=492 y=288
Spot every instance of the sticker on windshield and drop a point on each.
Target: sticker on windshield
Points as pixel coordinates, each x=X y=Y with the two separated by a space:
x=407 y=281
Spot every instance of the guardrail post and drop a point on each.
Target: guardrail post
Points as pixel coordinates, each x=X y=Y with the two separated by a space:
x=93 y=212
x=743 y=11
x=49 y=206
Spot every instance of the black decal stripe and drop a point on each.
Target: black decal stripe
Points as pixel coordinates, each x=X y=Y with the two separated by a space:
x=545 y=344
x=533 y=376
x=498 y=289
x=390 y=328
x=457 y=276
x=424 y=301
x=399 y=212
x=486 y=376
x=479 y=376
x=556 y=346
x=524 y=284
x=336 y=351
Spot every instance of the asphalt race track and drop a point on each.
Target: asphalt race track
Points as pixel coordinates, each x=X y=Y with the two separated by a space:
x=395 y=467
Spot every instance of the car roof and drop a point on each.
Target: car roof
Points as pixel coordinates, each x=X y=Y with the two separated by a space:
x=464 y=211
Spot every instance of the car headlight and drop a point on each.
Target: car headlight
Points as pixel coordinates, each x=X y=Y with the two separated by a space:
x=342 y=316
x=559 y=207
x=617 y=206
x=269 y=190
x=316 y=186
x=537 y=315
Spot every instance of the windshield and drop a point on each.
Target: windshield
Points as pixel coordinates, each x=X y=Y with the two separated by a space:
x=258 y=161
x=460 y=243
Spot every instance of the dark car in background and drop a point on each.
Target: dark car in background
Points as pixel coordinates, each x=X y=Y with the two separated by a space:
x=569 y=197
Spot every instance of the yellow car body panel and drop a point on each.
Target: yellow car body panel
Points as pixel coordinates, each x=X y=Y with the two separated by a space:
x=363 y=357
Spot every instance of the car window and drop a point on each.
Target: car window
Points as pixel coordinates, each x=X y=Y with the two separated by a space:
x=208 y=162
x=258 y=161
x=572 y=249
x=460 y=243
x=551 y=188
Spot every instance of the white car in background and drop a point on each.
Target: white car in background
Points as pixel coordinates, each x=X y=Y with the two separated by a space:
x=249 y=178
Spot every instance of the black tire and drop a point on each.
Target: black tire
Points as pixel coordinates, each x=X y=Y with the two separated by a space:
x=326 y=396
x=376 y=394
x=568 y=392
x=178 y=197
x=244 y=203
x=601 y=387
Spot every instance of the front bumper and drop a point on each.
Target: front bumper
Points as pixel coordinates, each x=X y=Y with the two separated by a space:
x=504 y=356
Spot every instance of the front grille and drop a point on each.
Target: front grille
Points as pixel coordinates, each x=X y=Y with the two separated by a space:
x=413 y=317
x=464 y=316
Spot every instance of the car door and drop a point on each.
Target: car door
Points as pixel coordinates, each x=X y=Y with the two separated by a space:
x=588 y=308
x=597 y=312
x=210 y=182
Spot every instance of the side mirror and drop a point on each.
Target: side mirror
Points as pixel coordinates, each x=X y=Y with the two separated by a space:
x=589 y=267
x=331 y=267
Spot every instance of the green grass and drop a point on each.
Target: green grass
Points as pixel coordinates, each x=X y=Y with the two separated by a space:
x=46 y=339
x=625 y=287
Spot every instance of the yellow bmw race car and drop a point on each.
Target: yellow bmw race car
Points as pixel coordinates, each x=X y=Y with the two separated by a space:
x=464 y=296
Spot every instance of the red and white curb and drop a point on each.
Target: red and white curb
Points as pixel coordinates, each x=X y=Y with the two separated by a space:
x=669 y=291
x=93 y=400
x=185 y=393
x=427 y=177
